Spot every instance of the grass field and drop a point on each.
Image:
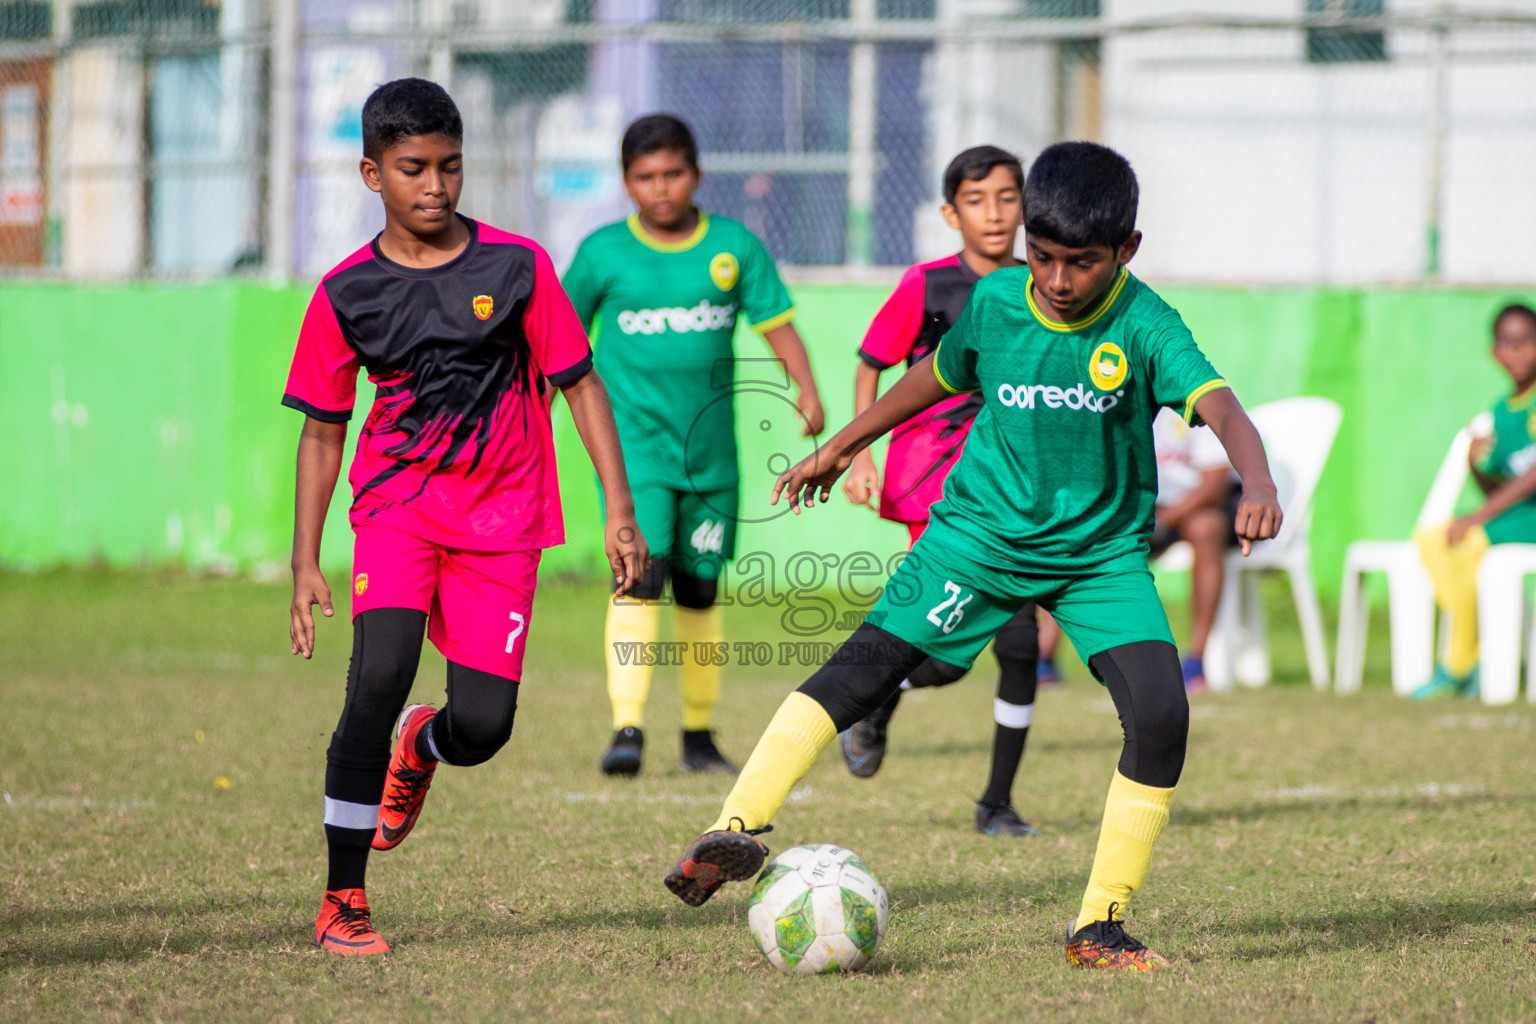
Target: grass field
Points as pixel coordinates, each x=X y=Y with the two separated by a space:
x=1361 y=859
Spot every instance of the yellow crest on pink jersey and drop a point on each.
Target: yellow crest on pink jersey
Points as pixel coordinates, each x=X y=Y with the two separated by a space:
x=360 y=583
x=483 y=306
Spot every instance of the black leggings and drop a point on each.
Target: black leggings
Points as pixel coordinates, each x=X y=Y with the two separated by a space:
x=687 y=590
x=1017 y=648
x=1147 y=686
x=474 y=723
x=1143 y=678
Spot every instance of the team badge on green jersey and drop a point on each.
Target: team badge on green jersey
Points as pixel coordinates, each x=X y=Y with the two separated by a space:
x=1107 y=367
x=724 y=270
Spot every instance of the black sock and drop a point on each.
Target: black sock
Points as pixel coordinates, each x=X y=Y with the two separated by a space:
x=424 y=741
x=386 y=643
x=1007 y=753
x=348 y=861
x=697 y=739
x=1017 y=650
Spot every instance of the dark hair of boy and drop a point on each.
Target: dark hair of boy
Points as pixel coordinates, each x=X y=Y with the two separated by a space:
x=1515 y=309
x=404 y=108
x=654 y=133
x=975 y=164
x=1081 y=195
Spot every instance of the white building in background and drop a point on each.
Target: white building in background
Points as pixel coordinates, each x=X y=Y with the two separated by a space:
x=1261 y=164
x=1269 y=153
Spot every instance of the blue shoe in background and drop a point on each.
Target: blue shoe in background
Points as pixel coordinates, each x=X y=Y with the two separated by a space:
x=1442 y=684
x=1193 y=667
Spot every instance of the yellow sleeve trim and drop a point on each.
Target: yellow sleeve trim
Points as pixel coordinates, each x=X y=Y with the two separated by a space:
x=940 y=377
x=1199 y=393
x=764 y=326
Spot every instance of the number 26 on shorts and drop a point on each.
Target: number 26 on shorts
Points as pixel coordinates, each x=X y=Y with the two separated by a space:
x=956 y=605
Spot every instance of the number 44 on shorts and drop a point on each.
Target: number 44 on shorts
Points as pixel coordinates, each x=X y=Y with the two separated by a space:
x=710 y=536
x=955 y=603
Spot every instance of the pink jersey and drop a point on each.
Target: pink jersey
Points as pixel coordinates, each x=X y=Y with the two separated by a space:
x=457 y=449
x=923 y=450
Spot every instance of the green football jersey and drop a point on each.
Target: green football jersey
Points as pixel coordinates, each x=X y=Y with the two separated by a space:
x=664 y=315
x=1059 y=475
x=1511 y=454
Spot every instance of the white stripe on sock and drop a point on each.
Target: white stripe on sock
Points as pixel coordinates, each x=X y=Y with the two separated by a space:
x=906 y=684
x=345 y=814
x=1012 y=716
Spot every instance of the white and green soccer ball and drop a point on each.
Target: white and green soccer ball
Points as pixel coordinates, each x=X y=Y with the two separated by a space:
x=818 y=909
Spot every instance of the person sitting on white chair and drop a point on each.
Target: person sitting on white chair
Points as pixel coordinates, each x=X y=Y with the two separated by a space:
x=1503 y=464
x=1197 y=496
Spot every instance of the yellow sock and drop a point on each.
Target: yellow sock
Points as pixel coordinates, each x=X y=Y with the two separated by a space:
x=629 y=682
x=1454 y=572
x=700 y=676
x=1134 y=816
x=800 y=730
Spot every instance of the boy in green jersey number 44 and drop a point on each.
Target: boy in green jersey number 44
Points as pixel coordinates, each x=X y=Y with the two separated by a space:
x=1051 y=501
x=663 y=290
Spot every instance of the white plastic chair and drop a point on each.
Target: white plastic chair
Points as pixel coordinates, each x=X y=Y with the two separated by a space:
x=1501 y=622
x=1410 y=594
x=1298 y=434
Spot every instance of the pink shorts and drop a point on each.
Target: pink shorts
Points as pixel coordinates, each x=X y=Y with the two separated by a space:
x=478 y=603
x=914 y=531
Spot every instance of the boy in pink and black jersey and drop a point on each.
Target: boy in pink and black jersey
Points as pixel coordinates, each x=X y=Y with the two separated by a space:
x=460 y=326
x=983 y=189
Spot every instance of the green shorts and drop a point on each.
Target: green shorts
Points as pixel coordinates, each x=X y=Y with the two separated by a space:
x=1516 y=526
x=694 y=531
x=950 y=607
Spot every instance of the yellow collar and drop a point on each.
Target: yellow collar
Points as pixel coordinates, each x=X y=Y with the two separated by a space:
x=1519 y=402
x=1087 y=321
x=660 y=246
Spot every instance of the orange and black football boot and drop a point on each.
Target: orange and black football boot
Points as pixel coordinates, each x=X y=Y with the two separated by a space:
x=1104 y=946
x=405 y=787
x=725 y=855
x=343 y=926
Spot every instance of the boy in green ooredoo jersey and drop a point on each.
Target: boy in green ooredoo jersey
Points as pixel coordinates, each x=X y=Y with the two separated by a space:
x=1503 y=465
x=662 y=291
x=1051 y=501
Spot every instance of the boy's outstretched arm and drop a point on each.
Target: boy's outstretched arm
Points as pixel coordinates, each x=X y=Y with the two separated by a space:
x=863 y=481
x=628 y=554
x=786 y=344
x=918 y=389
x=1500 y=500
x=1258 y=512
x=319 y=463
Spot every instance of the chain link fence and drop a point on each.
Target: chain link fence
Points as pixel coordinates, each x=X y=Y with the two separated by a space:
x=1278 y=141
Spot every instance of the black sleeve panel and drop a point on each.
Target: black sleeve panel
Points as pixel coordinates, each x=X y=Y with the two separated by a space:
x=870 y=360
x=572 y=373
x=315 y=413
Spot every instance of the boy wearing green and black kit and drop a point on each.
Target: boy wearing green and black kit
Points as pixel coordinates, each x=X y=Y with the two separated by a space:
x=661 y=291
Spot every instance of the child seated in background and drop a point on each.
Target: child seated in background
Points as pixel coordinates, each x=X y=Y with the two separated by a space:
x=1197 y=496
x=1504 y=466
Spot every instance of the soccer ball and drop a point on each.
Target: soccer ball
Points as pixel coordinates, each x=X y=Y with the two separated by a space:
x=818 y=909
